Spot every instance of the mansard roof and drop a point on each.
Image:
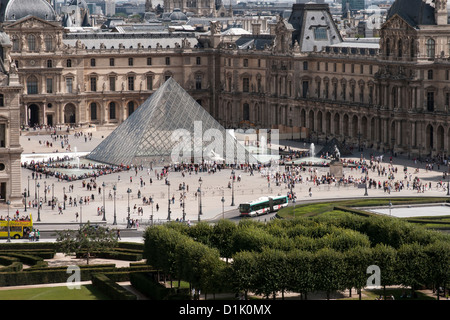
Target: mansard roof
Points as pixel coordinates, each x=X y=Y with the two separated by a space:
x=414 y=12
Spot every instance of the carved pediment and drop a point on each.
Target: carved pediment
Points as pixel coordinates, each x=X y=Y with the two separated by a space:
x=32 y=23
x=397 y=23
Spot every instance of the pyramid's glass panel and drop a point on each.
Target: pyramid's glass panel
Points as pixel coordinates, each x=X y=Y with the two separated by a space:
x=170 y=126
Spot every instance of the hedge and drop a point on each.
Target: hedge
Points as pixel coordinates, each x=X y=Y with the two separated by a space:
x=44 y=254
x=29 y=246
x=45 y=276
x=110 y=288
x=11 y=264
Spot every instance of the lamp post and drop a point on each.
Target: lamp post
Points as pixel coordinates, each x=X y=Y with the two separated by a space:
x=38 y=204
x=104 y=208
x=53 y=196
x=168 y=200
x=448 y=180
x=128 y=218
x=9 y=228
x=64 y=197
x=365 y=184
x=25 y=196
x=81 y=211
x=35 y=190
x=28 y=186
x=200 y=198
x=232 y=187
x=151 y=218
x=45 y=191
x=184 y=213
x=114 y=188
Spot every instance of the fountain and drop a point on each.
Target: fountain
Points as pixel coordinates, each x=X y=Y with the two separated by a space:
x=312 y=160
x=77 y=158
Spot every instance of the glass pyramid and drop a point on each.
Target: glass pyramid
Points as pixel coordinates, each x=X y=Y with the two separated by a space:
x=170 y=127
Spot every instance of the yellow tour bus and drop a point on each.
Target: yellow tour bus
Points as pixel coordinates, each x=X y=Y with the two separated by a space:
x=18 y=228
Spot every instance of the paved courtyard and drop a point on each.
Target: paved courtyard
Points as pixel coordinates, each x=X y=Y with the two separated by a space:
x=214 y=185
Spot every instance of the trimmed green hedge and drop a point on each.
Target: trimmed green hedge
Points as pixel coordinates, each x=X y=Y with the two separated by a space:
x=110 y=288
x=45 y=276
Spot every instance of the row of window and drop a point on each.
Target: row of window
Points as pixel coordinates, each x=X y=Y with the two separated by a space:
x=112 y=107
x=33 y=84
x=112 y=62
x=32 y=43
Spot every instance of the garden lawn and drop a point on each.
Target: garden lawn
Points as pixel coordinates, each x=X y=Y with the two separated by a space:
x=86 y=292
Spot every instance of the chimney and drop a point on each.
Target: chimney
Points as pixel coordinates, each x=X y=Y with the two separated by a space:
x=440 y=12
x=256 y=29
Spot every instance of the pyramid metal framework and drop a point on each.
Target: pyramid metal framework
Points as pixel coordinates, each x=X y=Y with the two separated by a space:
x=148 y=135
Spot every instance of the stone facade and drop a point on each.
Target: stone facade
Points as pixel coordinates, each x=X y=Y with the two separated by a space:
x=392 y=96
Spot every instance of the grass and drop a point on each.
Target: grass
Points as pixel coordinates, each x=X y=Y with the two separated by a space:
x=86 y=292
x=327 y=208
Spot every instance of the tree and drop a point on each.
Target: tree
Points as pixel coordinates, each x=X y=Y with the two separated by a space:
x=412 y=265
x=438 y=262
x=328 y=269
x=357 y=260
x=385 y=257
x=222 y=236
x=301 y=278
x=243 y=272
x=86 y=240
x=271 y=274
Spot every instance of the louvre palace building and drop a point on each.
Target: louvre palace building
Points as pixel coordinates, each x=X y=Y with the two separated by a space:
x=295 y=73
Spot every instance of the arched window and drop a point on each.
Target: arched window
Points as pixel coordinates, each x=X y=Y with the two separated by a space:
x=32 y=85
x=246 y=111
x=15 y=43
x=431 y=48
x=48 y=42
x=112 y=111
x=388 y=47
x=93 y=111
x=130 y=108
x=31 y=42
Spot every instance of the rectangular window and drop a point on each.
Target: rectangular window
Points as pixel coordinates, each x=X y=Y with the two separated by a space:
x=167 y=61
x=320 y=33
x=361 y=69
x=49 y=85
x=49 y=63
x=92 y=62
x=149 y=82
x=198 y=82
x=245 y=63
x=130 y=62
x=112 y=111
x=198 y=61
x=93 y=82
x=246 y=85
x=112 y=83
x=69 y=85
x=112 y=62
x=447 y=98
x=2 y=135
x=430 y=101
x=149 y=61
x=130 y=83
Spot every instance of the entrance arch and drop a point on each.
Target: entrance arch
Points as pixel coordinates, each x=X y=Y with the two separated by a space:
x=33 y=115
x=69 y=113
